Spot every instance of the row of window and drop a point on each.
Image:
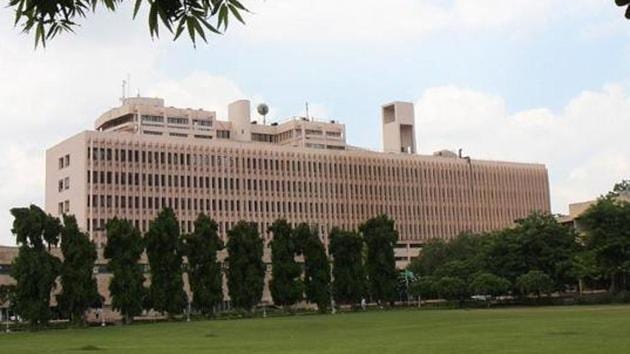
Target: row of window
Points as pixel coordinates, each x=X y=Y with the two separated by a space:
x=366 y=171
x=212 y=205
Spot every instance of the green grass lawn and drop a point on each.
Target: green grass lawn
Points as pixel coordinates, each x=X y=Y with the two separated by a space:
x=577 y=329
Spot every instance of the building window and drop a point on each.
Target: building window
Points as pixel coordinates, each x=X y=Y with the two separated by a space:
x=66 y=183
x=223 y=134
x=334 y=134
x=150 y=132
x=313 y=132
x=174 y=120
x=153 y=119
x=202 y=122
x=178 y=135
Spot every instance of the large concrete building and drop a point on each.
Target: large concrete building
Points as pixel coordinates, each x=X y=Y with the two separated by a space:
x=143 y=156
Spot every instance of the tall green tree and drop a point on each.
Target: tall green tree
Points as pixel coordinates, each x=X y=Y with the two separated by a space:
x=450 y=288
x=538 y=242
x=286 y=284
x=606 y=225
x=346 y=249
x=380 y=238
x=34 y=269
x=246 y=269
x=423 y=287
x=489 y=284
x=316 y=266
x=164 y=251
x=204 y=271
x=48 y=18
x=535 y=282
x=78 y=284
x=123 y=250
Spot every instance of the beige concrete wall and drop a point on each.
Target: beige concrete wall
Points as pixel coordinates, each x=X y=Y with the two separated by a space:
x=427 y=196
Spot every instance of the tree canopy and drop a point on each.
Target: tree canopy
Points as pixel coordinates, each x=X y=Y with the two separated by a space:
x=164 y=251
x=535 y=282
x=316 y=266
x=624 y=3
x=380 y=238
x=78 y=284
x=123 y=250
x=34 y=269
x=606 y=226
x=286 y=285
x=49 y=18
x=246 y=269
x=346 y=249
x=204 y=271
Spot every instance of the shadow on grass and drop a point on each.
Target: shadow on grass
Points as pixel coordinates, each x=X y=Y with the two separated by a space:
x=89 y=348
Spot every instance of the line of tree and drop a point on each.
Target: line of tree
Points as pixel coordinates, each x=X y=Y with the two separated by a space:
x=363 y=265
x=537 y=256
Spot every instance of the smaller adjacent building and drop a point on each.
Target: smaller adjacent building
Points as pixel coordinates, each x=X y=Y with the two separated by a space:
x=577 y=209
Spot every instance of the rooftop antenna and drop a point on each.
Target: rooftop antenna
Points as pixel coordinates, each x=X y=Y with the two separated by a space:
x=307 y=115
x=128 y=85
x=263 y=109
x=124 y=89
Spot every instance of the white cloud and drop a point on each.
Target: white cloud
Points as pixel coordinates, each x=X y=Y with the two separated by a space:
x=585 y=146
x=49 y=95
x=199 y=90
x=397 y=21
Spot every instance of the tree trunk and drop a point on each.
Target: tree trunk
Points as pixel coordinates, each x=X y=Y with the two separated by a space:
x=613 y=283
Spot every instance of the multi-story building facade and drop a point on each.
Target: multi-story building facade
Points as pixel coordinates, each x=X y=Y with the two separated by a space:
x=144 y=156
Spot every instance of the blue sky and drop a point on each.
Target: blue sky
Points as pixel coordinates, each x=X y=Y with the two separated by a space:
x=523 y=80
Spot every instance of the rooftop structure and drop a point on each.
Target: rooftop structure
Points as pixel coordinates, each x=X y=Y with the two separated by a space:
x=149 y=116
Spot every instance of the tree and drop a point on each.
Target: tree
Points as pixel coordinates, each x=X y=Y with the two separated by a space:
x=606 y=226
x=450 y=288
x=164 y=251
x=584 y=267
x=286 y=286
x=535 y=282
x=48 y=18
x=465 y=250
x=423 y=287
x=204 y=271
x=316 y=266
x=435 y=253
x=380 y=238
x=34 y=269
x=489 y=284
x=78 y=284
x=246 y=269
x=624 y=3
x=455 y=269
x=346 y=248
x=537 y=242
x=621 y=187
x=123 y=250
